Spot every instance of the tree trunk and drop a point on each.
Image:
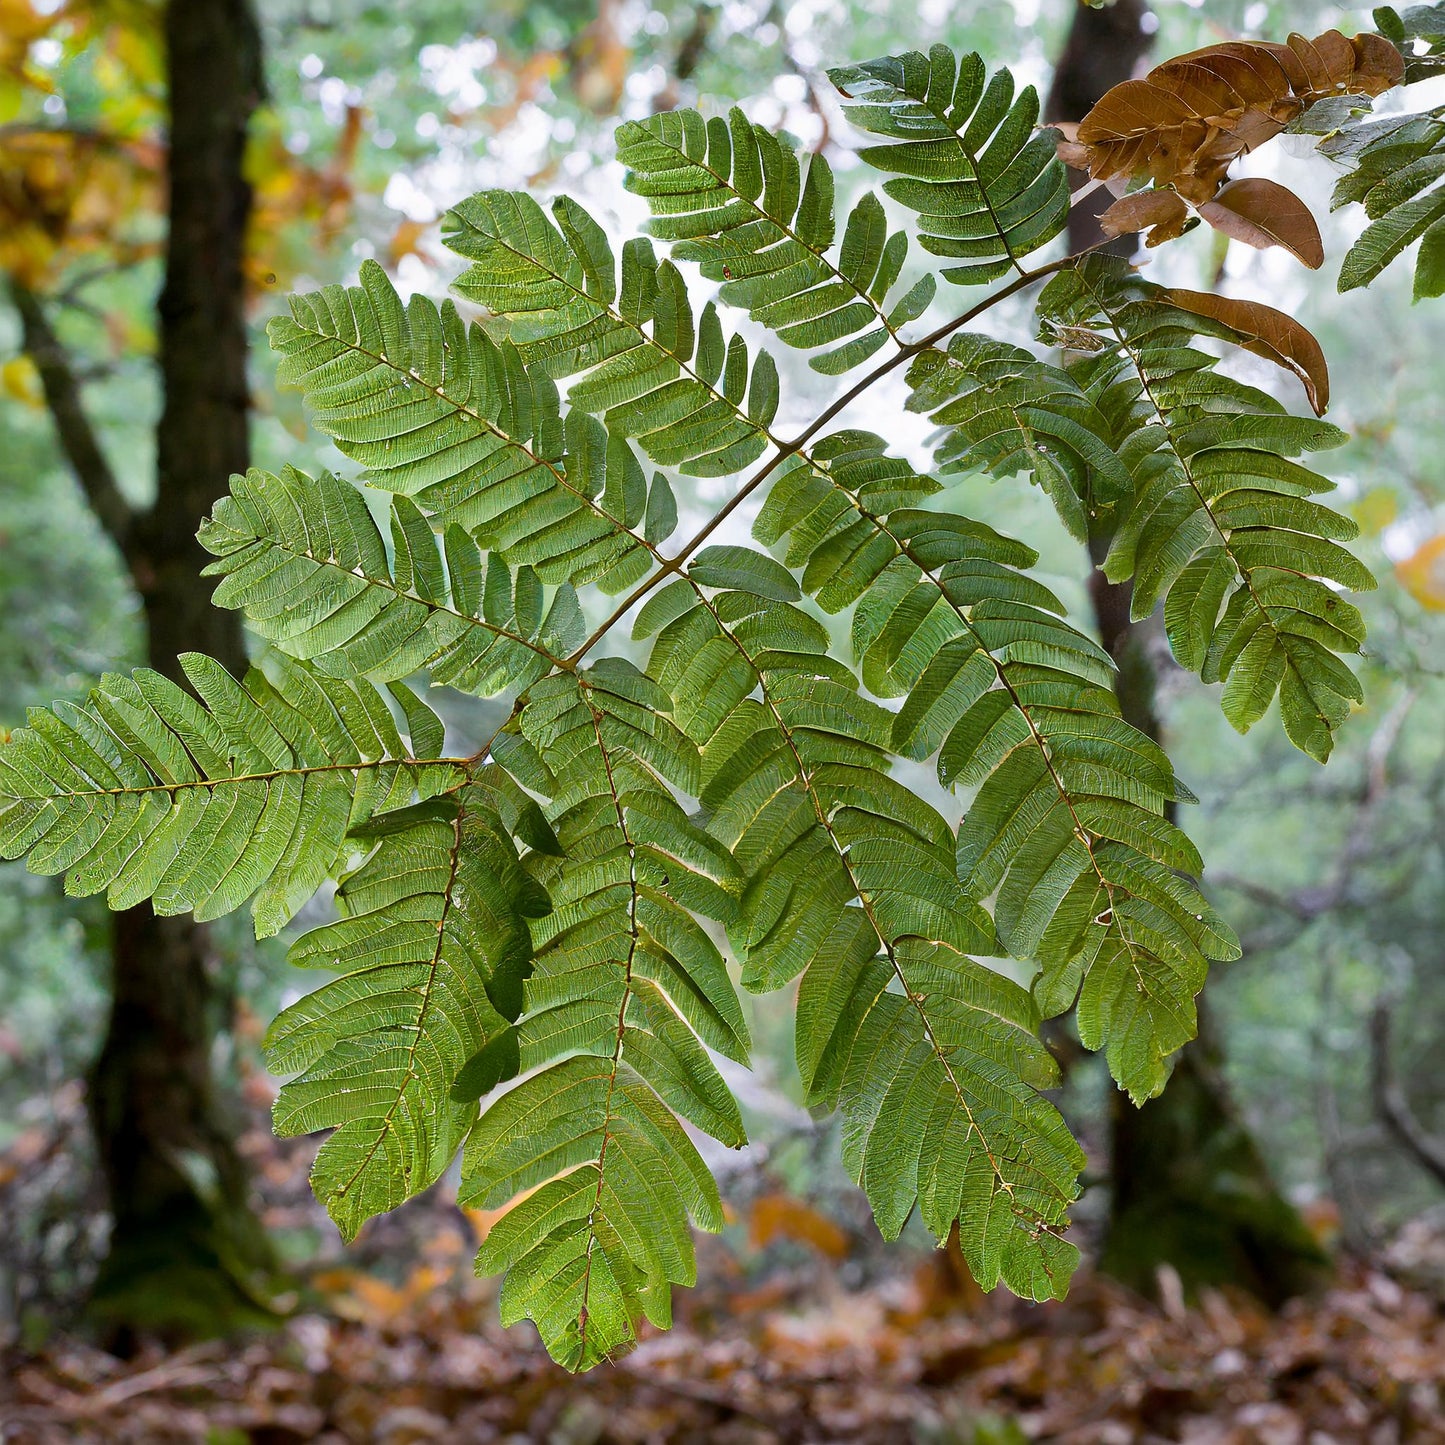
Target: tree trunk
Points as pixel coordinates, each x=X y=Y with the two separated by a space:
x=1189 y=1187
x=186 y=1254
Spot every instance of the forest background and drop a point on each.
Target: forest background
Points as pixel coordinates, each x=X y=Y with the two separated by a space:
x=138 y=1226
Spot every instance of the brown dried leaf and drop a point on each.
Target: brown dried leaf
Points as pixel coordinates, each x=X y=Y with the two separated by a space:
x=1379 y=66
x=1191 y=117
x=406 y=241
x=1161 y=213
x=1262 y=214
x=1268 y=333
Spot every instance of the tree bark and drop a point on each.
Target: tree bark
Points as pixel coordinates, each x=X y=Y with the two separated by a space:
x=186 y=1255
x=1188 y=1185
x=213 y=60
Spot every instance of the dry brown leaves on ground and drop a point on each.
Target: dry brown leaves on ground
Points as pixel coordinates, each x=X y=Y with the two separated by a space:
x=799 y=1359
x=801 y=1330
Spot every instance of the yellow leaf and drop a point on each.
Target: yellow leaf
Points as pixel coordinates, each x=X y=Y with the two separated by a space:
x=20 y=25
x=12 y=97
x=1375 y=510
x=21 y=382
x=785 y=1216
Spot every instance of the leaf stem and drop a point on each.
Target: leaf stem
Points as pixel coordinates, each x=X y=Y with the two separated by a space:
x=672 y=566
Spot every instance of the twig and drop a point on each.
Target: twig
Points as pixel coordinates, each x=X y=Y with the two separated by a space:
x=1393 y=1107
x=672 y=566
x=77 y=437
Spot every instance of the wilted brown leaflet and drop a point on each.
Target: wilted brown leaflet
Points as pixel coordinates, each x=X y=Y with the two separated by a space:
x=1184 y=124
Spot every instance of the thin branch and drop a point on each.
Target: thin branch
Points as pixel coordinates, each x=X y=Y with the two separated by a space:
x=673 y=566
x=1393 y=1107
x=69 y=293
x=77 y=437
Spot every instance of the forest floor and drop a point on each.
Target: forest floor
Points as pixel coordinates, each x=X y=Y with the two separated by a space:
x=800 y=1330
x=791 y=1362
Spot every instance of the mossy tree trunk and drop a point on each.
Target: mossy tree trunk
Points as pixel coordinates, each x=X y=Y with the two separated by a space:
x=1189 y=1187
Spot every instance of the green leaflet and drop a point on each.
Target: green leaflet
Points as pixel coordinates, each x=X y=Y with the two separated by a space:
x=986 y=185
x=1399 y=166
x=651 y=368
x=1067 y=830
x=596 y=1248
x=1422 y=23
x=625 y=990
x=1217 y=522
x=308 y=565
x=944 y=1115
x=731 y=195
x=847 y=873
x=437 y=411
x=794 y=785
x=1008 y=412
x=146 y=792
x=430 y=951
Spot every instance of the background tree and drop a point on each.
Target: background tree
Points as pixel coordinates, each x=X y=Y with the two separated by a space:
x=185 y=1250
x=1188 y=1186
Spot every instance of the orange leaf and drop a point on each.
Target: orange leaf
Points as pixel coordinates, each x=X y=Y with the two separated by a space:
x=1263 y=214
x=785 y=1216
x=1423 y=574
x=1379 y=66
x=600 y=59
x=482 y=1220
x=1271 y=334
x=406 y=241
x=1375 y=510
x=1161 y=213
